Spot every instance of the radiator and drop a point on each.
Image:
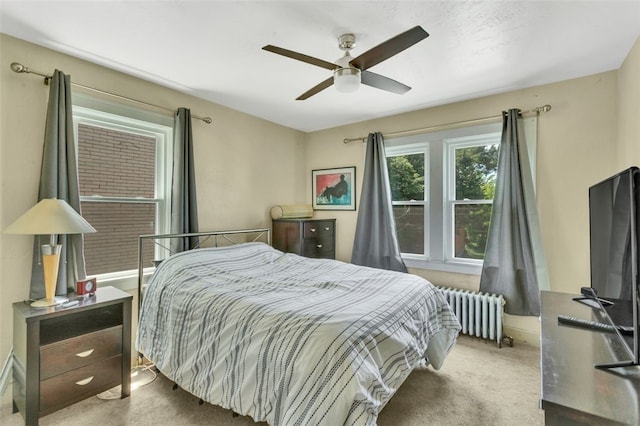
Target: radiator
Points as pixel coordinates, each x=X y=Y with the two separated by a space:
x=480 y=314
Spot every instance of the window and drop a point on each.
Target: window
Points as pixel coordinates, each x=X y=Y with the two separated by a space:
x=473 y=163
x=407 y=178
x=123 y=169
x=442 y=187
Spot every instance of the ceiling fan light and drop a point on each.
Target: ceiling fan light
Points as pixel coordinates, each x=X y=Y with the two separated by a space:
x=346 y=79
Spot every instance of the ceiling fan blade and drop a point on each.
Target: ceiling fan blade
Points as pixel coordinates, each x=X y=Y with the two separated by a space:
x=300 y=57
x=381 y=82
x=315 y=89
x=391 y=47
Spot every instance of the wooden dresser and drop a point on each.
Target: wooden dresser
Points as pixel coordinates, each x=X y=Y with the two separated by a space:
x=306 y=237
x=62 y=356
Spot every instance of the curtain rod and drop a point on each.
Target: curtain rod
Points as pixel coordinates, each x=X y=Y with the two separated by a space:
x=19 y=68
x=537 y=110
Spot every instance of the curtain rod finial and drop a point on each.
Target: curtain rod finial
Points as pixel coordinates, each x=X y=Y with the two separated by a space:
x=17 y=67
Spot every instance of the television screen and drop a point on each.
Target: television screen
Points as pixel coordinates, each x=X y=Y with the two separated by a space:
x=614 y=254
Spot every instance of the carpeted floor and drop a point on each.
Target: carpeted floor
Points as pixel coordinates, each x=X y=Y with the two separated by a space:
x=479 y=384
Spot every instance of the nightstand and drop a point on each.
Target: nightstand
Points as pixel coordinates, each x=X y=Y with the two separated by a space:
x=62 y=356
x=306 y=237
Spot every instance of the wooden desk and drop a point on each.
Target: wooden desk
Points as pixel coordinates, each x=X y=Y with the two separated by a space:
x=573 y=391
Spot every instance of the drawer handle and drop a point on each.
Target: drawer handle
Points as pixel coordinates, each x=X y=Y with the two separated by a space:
x=84 y=381
x=85 y=353
x=327 y=229
x=312 y=229
x=319 y=245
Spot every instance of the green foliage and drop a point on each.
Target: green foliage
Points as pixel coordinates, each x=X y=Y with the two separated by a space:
x=475 y=172
x=476 y=169
x=472 y=225
x=407 y=183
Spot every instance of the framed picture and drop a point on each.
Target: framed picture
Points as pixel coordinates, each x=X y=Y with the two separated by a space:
x=334 y=189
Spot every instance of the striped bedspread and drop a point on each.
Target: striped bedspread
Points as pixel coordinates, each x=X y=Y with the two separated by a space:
x=287 y=339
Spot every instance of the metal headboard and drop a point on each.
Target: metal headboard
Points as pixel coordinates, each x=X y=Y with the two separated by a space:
x=157 y=239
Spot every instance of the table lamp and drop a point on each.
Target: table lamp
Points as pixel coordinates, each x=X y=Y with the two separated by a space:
x=54 y=217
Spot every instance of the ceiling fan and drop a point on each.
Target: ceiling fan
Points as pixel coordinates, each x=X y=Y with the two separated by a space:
x=349 y=72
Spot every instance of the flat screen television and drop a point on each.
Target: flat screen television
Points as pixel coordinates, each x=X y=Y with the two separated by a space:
x=614 y=212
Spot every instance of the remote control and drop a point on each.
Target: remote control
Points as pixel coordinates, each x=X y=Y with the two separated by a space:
x=593 y=324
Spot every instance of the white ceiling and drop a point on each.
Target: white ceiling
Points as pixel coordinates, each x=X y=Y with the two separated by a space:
x=212 y=49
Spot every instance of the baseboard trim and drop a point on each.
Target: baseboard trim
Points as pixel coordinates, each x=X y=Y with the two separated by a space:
x=5 y=377
x=521 y=335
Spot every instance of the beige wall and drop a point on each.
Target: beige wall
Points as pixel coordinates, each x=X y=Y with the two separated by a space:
x=244 y=164
x=629 y=106
x=576 y=147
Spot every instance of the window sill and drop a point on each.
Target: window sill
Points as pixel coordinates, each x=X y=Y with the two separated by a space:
x=123 y=282
x=456 y=267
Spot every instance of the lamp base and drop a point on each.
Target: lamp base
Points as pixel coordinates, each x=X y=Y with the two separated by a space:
x=45 y=303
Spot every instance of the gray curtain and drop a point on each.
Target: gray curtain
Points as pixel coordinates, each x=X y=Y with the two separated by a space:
x=376 y=243
x=184 y=203
x=514 y=264
x=59 y=179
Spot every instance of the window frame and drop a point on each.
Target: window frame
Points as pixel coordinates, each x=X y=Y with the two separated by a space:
x=439 y=177
x=451 y=200
x=411 y=149
x=100 y=113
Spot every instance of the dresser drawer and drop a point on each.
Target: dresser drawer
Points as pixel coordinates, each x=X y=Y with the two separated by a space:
x=60 y=357
x=318 y=229
x=320 y=248
x=306 y=237
x=76 y=385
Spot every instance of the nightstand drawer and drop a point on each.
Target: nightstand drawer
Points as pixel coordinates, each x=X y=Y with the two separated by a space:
x=57 y=358
x=76 y=385
x=318 y=229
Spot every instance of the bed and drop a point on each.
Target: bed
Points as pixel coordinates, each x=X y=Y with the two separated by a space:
x=287 y=339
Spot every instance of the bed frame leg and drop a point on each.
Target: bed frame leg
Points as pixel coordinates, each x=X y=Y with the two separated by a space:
x=234 y=414
x=175 y=386
x=201 y=401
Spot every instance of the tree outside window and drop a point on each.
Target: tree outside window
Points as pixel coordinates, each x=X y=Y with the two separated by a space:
x=475 y=181
x=406 y=177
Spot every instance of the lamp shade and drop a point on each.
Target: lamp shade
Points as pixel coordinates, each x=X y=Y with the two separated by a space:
x=50 y=216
